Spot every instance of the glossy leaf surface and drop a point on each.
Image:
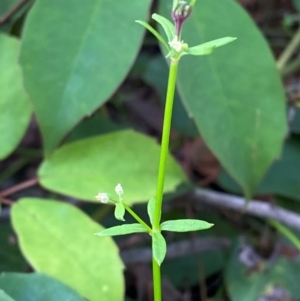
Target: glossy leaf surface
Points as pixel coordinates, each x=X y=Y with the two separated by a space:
x=235 y=94
x=29 y=287
x=14 y=104
x=75 y=56
x=58 y=240
x=84 y=168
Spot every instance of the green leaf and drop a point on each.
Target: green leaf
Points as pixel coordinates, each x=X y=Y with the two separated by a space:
x=159 y=247
x=119 y=211
x=151 y=209
x=283 y=178
x=155 y=33
x=207 y=48
x=5 y=297
x=29 y=287
x=122 y=230
x=231 y=93
x=261 y=280
x=185 y=225
x=75 y=56
x=58 y=240
x=168 y=27
x=86 y=167
x=14 y=104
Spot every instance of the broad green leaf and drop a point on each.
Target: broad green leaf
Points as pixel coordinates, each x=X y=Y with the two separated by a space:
x=283 y=273
x=119 y=211
x=14 y=104
x=86 y=167
x=151 y=209
x=159 y=247
x=235 y=95
x=30 y=287
x=207 y=48
x=122 y=230
x=283 y=178
x=58 y=240
x=75 y=56
x=5 y=297
x=168 y=27
x=185 y=225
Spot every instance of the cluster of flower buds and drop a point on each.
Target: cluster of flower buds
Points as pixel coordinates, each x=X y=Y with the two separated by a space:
x=104 y=198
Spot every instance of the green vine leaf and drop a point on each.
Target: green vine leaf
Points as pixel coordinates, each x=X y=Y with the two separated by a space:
x=120 y=211
x=151 y=209
x=155 y=33
x=185 y=225
x=168 y=27
x=209 y=47
x=159 y=247
x=122 y=230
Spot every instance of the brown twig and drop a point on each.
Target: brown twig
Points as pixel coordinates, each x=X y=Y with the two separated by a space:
x=254 y=207
x=5 y=18
x=6 y=201
x=177 y=249
x=21 y=186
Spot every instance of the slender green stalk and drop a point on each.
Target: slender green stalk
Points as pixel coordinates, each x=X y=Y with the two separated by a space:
x=288 y=51
x=165 y=143
x=286 y=232
x=156 y=280
x=137 y=218
x=161 y=170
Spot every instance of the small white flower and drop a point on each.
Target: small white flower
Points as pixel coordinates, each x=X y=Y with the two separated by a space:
x=119 y=191
x=102 y=197
x=177 y=45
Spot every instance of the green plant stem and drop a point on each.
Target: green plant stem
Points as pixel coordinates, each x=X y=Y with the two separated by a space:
x=137 y=218
x=165 y=143
x=156 y=280
x=286 y=232
x=161 y=170
x=288 y=51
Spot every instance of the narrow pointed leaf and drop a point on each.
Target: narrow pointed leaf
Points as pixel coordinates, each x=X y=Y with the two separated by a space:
x=122 y=230
x=74 y=56
x=119 y=211
x=159 y=247
x=15 y=108
x=168 y=27
x=235 y=95
x=34 y=286
x=151 y=209
x=58 y=240
x=185 y=225
x=209 y=47
x=155 y=33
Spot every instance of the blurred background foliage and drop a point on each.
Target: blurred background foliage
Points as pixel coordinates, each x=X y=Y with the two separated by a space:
x=82 y=91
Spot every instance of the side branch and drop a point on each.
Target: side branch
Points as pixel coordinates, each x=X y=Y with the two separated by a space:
x=254 y=207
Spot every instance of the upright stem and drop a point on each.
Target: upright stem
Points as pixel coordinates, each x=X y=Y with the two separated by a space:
x=162 y=168
x=165 y=143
